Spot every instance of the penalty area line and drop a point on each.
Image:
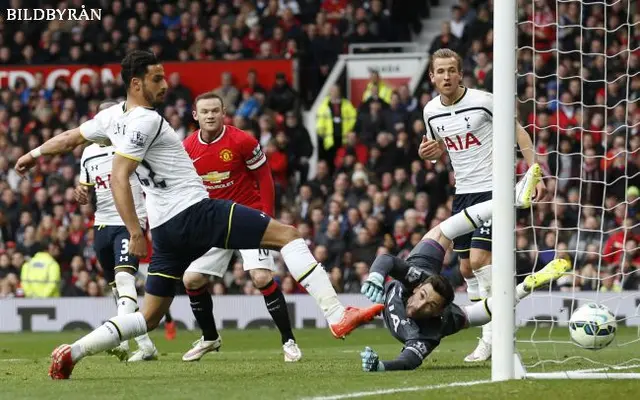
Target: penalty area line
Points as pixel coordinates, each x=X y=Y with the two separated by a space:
x=397 y=390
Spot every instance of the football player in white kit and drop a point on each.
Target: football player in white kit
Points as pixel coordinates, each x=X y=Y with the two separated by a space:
x=184 y=222
x=460 y=121
x=111 y=238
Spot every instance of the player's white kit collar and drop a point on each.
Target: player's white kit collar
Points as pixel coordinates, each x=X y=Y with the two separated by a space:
x=456 y=101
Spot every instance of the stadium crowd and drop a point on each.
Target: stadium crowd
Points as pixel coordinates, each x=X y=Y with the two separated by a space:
x=371 y=194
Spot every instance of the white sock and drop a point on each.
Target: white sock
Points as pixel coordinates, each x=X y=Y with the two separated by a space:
x=487 y=333
x=109 y=335
x=467 y=220
x=305 y=269
x=484 y=280
x=479 y=313
x=473 y=290
x=128 y=304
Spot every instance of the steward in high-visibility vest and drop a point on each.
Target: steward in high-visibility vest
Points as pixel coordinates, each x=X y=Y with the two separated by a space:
x=334 y=120
x=384 y=91
x=40 y=276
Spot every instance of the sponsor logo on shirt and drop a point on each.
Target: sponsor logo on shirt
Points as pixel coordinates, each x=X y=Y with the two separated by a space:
x=216 y=177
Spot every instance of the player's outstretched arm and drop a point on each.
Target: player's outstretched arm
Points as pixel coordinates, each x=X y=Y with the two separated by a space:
x=62 y=143
x=121 y=170
x=410 y=358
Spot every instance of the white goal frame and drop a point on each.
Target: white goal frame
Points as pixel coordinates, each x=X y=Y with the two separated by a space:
x=506 y=364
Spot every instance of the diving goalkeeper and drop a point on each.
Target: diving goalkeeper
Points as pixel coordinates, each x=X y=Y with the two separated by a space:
x=419 y=309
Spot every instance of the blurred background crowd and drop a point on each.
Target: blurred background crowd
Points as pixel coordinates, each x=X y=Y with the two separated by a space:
x=578 y=97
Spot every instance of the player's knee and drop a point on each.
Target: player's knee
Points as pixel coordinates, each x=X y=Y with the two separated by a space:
x=194 y=280
x=479 y=258
x=260 y=277
x=279 y=234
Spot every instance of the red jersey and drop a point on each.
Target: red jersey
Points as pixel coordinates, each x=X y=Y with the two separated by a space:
x=226 y=166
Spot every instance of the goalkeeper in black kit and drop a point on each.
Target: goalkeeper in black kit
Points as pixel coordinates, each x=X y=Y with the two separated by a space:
x=419 y=310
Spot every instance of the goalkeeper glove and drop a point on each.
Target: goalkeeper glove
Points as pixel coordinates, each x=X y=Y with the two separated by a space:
x=370 y=361
x=373 y=288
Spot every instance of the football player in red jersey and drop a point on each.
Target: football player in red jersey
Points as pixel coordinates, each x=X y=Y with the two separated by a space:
x=233 y=167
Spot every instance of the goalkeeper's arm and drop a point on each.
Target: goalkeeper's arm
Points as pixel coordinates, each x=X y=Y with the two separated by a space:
x=388 y=265
x=406 y=361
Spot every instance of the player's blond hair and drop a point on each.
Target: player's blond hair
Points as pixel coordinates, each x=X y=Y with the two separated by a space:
x=445 y=53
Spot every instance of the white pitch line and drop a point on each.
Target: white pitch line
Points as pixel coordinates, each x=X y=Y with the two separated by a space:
x=613 y=367
x=397 y=390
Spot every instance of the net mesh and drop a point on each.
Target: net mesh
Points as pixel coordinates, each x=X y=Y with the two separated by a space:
x=578 y=86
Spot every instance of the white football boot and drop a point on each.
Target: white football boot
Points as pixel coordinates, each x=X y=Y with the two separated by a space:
x=481 y=353
x=527 y=186
x=144 y=355
x=291 y=351
x=202 y=347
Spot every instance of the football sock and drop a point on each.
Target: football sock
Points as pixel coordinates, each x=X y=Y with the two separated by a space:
x=202 y=307
x=487 y=334
x=473 y=290
x=307 y=271
x=277 y=307
x=109 y=335
x=479 y=313
x=168 y=318
x=466 y=220
x=128 y=304
x=484 y=280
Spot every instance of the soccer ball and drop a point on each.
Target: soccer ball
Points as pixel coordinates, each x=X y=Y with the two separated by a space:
x=592 y=326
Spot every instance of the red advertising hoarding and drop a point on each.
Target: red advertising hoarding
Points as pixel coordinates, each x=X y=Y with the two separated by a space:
x=199 y=76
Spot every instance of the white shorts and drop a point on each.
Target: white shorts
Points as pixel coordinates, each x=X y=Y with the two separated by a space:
x=216 y=261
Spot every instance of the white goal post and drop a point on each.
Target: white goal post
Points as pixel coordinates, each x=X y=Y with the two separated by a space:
x=504 y=160
x=506 y=361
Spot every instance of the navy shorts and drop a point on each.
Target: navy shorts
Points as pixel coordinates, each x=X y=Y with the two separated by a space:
x=481 y=237
x=111 y=244
x=187 y=236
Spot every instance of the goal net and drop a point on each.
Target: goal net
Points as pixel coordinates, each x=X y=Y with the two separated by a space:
x=578 y=88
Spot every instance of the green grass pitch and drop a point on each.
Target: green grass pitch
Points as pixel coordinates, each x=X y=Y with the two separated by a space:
x=251 y=366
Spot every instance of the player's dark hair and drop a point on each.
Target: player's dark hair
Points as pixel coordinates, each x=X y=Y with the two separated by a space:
x=135 y=64
x=106 y=104
x=207 y=96
x=445 y=53
x=442 y=286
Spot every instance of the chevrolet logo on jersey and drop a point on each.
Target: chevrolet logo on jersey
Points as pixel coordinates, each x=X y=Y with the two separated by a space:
x=216 y=177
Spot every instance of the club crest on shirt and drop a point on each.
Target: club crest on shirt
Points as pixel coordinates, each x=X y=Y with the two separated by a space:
x=226 y=155
x=137 y=138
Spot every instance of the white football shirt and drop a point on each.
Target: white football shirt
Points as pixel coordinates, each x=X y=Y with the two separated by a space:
x=466 y=128
x=95 y=171
x=166 y=172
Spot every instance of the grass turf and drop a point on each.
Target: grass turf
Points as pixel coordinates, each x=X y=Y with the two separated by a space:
x=251 y=365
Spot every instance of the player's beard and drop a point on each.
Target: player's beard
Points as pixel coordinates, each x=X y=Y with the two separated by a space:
x=153 y=101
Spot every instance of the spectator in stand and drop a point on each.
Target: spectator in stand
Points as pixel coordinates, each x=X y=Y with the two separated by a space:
x=228 y=92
